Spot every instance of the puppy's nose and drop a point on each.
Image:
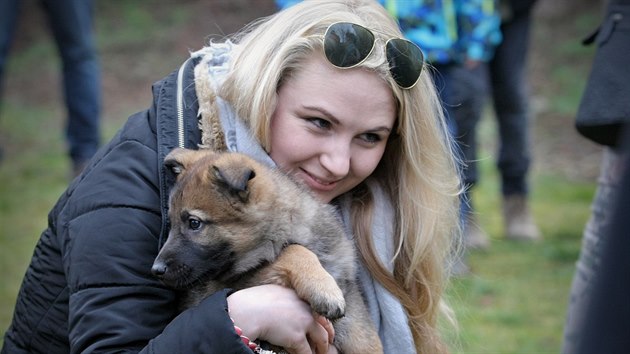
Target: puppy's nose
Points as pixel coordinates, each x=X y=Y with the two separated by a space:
x=158 y=269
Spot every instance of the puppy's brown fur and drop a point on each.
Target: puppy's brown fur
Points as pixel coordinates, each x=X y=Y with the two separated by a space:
x=236 y=223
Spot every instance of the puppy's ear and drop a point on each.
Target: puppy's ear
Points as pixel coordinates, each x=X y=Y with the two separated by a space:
x=175 y=161
x=234 y=180
x=180 y=159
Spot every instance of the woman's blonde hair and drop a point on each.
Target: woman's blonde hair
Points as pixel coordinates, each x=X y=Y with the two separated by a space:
x=418 y=169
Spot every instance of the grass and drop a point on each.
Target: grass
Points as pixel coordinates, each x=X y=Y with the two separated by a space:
x=515 y=302
x=31 y=179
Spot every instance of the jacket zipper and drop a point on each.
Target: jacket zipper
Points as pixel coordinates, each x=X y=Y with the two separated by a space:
x=180 y=105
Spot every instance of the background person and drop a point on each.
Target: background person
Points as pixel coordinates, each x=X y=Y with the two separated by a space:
x=602 y=117
x=71 y=23
x=510 y=98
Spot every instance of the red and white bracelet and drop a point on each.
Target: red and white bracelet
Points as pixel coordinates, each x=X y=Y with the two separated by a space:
x=251 y=345
x=255 y=347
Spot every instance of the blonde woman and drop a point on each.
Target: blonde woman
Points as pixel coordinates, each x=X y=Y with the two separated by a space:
x=326 y=91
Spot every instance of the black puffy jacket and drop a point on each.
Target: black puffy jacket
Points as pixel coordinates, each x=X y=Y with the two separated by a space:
x=89 y=287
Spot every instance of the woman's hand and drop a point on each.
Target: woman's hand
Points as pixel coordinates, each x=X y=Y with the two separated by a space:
x=275 y=314
x=324 y=322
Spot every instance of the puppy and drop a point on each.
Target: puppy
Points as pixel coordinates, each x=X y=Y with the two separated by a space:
x=236 y=223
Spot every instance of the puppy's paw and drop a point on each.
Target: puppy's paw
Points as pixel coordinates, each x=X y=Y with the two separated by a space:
x=301 y=270
x=324 y=296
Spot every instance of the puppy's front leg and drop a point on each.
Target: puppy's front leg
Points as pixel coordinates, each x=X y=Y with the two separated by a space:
x=299 y=268
x=355 y=332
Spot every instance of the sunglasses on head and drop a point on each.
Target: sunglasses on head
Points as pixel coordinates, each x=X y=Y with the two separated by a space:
x=347 y=45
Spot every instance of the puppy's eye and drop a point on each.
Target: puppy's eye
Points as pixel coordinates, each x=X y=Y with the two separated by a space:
x=194 y=223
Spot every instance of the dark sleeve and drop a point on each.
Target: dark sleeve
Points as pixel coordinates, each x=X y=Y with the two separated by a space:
x=608 y=327
x=206 y=328
x=110 y=228
x=604 y=107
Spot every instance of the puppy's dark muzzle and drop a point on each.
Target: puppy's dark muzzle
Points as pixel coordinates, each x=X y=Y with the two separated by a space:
x=158 y=269
x=167 y=274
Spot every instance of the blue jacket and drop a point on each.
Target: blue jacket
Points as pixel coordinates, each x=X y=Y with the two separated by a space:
x=449 y=31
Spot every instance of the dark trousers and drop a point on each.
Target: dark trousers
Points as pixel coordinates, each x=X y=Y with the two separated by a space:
x=510 y=98
x=463 y=92
x=71 y=25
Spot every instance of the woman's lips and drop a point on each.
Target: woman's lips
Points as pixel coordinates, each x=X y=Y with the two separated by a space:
x=315 y=183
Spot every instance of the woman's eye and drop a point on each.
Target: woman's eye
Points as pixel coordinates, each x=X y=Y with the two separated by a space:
x=194 y=224
x=320 y=123
x=371 y=138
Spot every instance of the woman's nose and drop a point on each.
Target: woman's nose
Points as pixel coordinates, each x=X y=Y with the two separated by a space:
x=336 y=160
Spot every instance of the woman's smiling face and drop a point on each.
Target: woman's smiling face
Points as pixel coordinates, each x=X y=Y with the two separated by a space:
x=331 y=126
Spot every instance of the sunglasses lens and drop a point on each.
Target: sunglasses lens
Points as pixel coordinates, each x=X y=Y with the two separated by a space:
x=405 y=61
x=347 y=44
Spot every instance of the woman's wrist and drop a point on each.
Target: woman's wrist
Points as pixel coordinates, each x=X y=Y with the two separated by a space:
x=239 y=309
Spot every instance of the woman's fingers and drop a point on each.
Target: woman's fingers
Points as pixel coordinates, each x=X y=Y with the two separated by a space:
x=318 y=337
x=314 y=340
x=324 y=322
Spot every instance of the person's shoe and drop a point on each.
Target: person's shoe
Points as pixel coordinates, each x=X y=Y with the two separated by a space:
x=519 y=223
x=474 y=236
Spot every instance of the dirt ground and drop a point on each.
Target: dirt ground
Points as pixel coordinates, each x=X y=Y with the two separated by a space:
x=129 y=70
